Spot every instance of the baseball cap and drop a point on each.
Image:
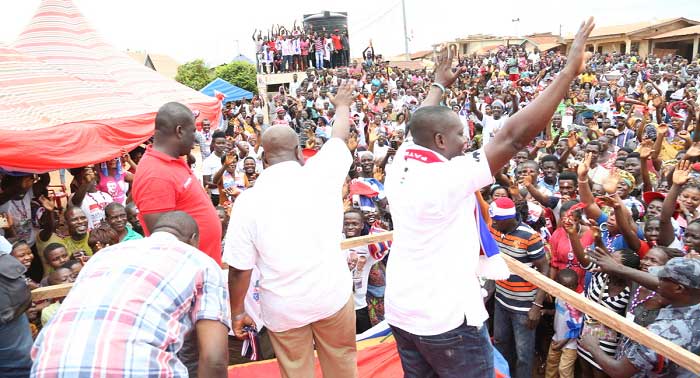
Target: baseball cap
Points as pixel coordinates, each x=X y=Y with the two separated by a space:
x=502 y=208
x=647 y=197
x=682 y=270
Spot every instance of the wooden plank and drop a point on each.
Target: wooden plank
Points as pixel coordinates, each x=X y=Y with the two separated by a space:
x=367 y=239
x=674 y=352
x=50 y=292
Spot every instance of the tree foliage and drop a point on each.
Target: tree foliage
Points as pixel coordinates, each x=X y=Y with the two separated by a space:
x=240 y=74
x=194 y=74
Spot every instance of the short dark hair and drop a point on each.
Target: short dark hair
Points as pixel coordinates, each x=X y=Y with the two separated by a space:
x=594 y=143
x=51 y=247
x=68 y=264
x=547 y=158
x=218 y=134
x=633 y=155
x=567 y=275
x=112 y=206
x=567 y=175
x=627 y=149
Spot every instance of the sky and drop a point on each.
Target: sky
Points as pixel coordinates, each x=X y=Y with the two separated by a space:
x=218 y=30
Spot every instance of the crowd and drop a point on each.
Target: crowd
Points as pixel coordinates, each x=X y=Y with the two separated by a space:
x=606 y=200
x=299 y=48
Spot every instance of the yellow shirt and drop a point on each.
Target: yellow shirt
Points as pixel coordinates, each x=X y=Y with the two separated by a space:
x=70 y=244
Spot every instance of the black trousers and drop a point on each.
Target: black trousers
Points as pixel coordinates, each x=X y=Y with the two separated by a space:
x=362 y=322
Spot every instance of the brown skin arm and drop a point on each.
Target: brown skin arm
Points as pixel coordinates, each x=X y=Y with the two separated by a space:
x=621 y=368
x=523 y=126
x=212 y=338
x=238 y=284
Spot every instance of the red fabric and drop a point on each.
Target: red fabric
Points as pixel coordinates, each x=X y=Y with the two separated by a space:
x=77 y=98
x=362 y=188
x=644 y=247
x=163 y=183
x=337 y=44
x=378 y=361
x=561 y=247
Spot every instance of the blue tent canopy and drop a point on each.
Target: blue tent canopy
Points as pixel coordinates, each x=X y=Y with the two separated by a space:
x=229 y=90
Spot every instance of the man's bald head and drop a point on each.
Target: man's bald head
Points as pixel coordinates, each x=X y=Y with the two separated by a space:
x=437 y=128
x=280 y=143
x=171 y=115
x=180 y=224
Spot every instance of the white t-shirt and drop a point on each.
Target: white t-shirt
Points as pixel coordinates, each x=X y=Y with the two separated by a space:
x=360 y=263
x=210 y=166
x=304 y=277
x=491 y=127
x=94 y=207
x=21 y=212
x=435 y=251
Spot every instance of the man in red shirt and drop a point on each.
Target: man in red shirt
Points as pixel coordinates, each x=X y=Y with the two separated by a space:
x=164 y=182
x=337 y=49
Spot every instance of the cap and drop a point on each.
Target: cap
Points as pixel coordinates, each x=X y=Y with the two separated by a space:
x=502 y=208
x=280 y=109
x=682 y=270
x=612 y=131
x=647 y=197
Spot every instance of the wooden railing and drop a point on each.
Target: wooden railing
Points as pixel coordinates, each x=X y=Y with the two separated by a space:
x=674 y=352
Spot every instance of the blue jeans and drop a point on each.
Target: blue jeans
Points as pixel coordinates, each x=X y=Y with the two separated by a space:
x=319 y=60
x=514 y=340
x=15 y=346
x=463 y=352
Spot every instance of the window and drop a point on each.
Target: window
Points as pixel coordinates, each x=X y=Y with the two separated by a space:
x=634 y=46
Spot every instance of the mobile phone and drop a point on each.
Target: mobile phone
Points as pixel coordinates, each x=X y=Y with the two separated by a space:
x=394 y=144
x=3 y=221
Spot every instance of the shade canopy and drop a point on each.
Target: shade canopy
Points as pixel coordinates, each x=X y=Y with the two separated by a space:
x=230 y=91
x=68 y=99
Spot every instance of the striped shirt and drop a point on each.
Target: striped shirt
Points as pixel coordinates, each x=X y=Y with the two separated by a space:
x=128 y=312
x=598 y=292
x=525 y=245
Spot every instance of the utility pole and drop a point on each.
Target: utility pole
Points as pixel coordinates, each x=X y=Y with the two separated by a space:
x=405 y=30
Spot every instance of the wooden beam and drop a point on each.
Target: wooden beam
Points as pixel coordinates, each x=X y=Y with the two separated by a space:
x=50 y=292
x=674 y=352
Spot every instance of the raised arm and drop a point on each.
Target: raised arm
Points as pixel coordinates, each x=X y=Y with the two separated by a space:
x=342 y=101
x=576 y=246
x=624 y=221
x=680 y=176
x=444 y=77
x=645 y=152
x=522 y=127
x=472 y=104
x=592 y=210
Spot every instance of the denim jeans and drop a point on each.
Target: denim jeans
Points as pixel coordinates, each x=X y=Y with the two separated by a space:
x=319 y=60
x=514 y=340
x=15 y=346
x=462 y=352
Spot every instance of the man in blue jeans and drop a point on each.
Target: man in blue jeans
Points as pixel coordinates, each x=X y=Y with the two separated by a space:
x=433 y=297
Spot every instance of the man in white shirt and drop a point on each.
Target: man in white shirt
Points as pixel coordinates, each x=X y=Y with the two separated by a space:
x=212 y=164
x=438 y=324
x=305 y=289
x=294 y=85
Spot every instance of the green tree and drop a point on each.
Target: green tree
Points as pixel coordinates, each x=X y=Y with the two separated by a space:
x=194 y=74
x=240 y=74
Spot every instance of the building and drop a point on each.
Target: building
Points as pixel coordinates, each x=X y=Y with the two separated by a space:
x=160 y=63
x=482 y=44
x=639 y=37
x=683 y=42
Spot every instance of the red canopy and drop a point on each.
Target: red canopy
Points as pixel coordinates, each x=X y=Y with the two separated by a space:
x=69 y=99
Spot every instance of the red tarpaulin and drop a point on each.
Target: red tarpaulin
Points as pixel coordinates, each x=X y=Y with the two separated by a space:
x=69 y=99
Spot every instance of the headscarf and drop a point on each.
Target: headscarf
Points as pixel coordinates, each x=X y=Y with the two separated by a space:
x=627 y=178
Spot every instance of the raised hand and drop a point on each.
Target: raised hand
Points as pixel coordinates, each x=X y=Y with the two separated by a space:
x=527 y=180
x=576 y=60
x=646 y=148
x=47 y=203
x=662 y=130
x=572 y=140
x=343 y=96
x=541 y=144
x=682 y=173
x=585 y=166
x=606 y=263
x=230 y=158
x=693 y=151
x=443 y=68
x=610 y=182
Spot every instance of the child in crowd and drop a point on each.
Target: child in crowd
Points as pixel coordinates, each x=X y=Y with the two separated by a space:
x=55 y=254
x=568 y=322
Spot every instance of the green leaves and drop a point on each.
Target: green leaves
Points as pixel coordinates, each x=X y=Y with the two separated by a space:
x=194 y=74
x=240 y=74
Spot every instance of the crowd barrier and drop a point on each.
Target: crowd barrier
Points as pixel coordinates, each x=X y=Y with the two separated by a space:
x=677 y=354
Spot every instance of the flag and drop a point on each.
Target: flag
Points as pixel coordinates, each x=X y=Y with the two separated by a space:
x=491 y=264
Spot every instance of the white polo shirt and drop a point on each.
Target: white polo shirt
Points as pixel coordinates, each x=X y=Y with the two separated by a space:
x=304 y=276
x=431 y=281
